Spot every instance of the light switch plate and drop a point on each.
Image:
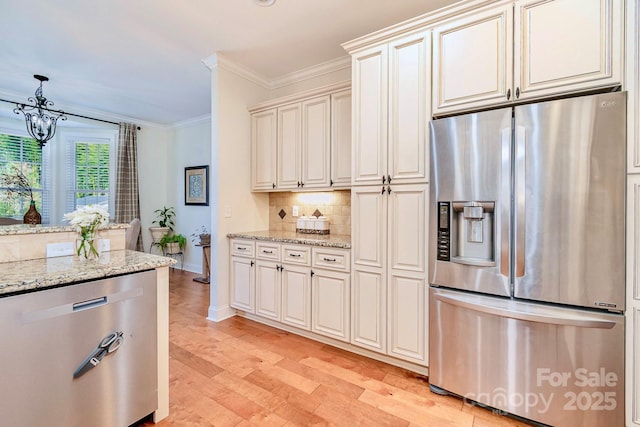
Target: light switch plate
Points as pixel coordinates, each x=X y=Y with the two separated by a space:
x=60 y=249
x=296 y=211
x=227 y=211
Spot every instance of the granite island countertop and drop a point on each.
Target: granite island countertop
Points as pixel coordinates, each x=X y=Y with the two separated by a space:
x=9 y=230
x=39 y=274
x=327 y=240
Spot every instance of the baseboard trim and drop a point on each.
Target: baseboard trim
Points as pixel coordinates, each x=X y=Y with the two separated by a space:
x=218 y=314
x=419 y=369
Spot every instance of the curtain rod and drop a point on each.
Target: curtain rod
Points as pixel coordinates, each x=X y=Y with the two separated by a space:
x=66 y=113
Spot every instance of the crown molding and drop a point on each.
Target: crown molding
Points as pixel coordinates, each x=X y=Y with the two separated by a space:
x=417 y=23
x=311 y=72
x=322 y=90
x=217 y=60
x=84 y=111
x=192 y=122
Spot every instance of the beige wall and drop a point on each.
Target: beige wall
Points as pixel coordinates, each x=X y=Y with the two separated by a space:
x=231 y=96
x=335 y=205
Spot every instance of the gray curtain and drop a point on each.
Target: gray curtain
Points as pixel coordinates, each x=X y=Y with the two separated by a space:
x=127 y=196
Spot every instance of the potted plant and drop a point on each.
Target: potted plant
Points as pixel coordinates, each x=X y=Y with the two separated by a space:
x=165 y=219
x=172 y=243
x=202 y=235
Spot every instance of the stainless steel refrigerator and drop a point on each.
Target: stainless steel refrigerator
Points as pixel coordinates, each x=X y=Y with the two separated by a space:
x=527 y=259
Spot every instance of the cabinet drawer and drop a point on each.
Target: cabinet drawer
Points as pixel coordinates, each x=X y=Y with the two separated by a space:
x=334 y=259
x=268 y=250
x=295 y=254
x=242 y=248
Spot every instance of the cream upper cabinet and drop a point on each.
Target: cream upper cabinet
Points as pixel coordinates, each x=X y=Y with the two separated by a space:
x=316 y=143
x=369 y=151
x=391 y=92
x=341 y=139
x=303 y=140
x=472 y=60
x=586 y=40
x=289 y=147
x=263 y=149
x=558 y=46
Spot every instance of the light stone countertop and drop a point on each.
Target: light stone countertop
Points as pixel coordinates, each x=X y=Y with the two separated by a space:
x=327 y=240
x=6 y=230
x=39 y=274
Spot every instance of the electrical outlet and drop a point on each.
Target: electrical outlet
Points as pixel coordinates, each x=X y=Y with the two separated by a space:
x=60 y=249
x=295 y=211
x=104 y=246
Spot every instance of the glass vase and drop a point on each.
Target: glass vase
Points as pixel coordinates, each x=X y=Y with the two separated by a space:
x=87 y=247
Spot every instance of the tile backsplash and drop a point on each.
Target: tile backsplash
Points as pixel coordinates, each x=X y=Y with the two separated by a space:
x=335 y=205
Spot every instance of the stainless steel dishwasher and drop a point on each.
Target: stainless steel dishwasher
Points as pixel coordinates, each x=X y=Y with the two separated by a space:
x=80 y=355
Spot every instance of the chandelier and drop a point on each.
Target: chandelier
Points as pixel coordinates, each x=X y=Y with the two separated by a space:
x=41 y=121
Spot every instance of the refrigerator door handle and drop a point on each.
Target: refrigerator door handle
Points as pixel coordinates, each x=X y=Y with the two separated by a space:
x=505 y=204
x=519 y=200
x=523 y=311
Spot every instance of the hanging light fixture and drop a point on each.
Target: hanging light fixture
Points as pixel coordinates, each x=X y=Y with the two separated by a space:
x=41 y=121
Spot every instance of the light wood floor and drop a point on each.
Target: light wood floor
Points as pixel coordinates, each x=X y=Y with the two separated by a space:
x=238 y=373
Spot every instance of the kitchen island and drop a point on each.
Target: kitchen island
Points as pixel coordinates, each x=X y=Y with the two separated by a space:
x=56 y=310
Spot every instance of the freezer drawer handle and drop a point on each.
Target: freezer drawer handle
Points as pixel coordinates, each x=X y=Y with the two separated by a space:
x=566 y=320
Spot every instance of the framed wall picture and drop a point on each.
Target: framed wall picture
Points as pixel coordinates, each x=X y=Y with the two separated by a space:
x=196 y=185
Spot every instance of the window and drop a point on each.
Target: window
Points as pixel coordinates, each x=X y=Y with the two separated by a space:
x=26 y=155
x=92 y=165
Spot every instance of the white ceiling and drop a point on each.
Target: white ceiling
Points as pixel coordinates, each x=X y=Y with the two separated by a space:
x=142 y=59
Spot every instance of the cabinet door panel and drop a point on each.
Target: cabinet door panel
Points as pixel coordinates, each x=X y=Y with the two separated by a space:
x=407 y=318
x=296 y=296
x=369 y=224
x=316 y=142
x=585 y=35
x=263 y=149
x=473 y=60
x=341 y=139
x=369 y=155
x=407 y=229
x=267 y=289
x=368 y=309
x=409 y=90
x=330 y=302
x=289 y=134
x=242 y=284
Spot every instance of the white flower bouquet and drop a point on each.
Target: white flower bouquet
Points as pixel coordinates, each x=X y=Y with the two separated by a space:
x=88 y=219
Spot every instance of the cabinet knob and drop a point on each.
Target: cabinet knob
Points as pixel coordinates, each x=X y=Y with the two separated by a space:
x=383 y=189
x=273 y=185
x=298 y=184
x=251 y=265
x=389 y=189
x=312 y=273
x=330 y=183
x=517 y=92
x=384 y=180
x=389 y=179
x=508 y=94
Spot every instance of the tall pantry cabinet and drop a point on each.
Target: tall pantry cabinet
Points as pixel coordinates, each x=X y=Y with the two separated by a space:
x=389 y=195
